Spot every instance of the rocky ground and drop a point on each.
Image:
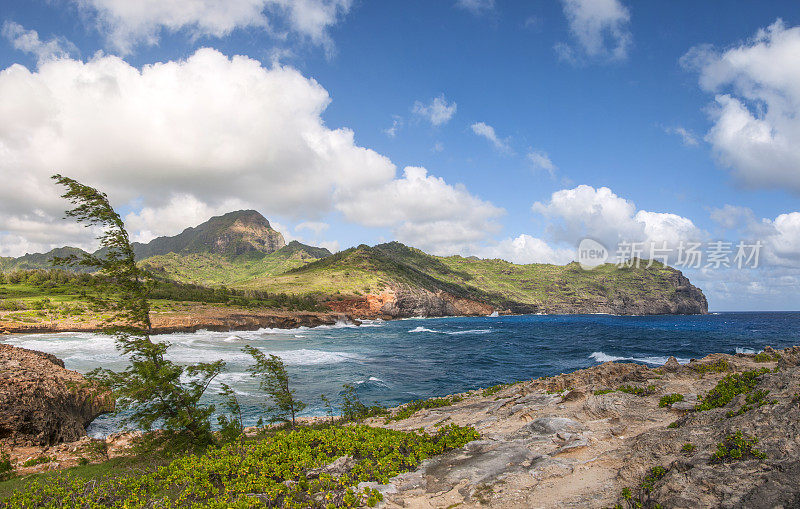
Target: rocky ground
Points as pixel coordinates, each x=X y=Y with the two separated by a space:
x=591 y=438
x=190 y=318
x=566 y=442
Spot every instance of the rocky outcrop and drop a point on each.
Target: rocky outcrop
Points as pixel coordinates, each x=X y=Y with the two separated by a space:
x=407 y=301
x=577 y=440
x=41 y=402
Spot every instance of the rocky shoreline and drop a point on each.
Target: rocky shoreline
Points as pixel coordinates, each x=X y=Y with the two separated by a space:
x=616 y=433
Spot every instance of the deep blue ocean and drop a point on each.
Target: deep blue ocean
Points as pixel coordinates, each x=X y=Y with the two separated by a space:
x=397 y=361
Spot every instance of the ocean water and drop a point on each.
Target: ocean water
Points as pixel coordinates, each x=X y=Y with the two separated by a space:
x=396 y=361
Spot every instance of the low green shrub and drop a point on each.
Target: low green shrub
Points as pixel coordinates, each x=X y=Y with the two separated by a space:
x=415 y=406
x=274 y=472
x=638 y=391
x=600 y=392
x=730 y=387
x=6 y=468
x=37 y=461
x=753 y=400
x=669 y=399
x=736 y=447
x=718 y=366
x=766 y=357
x=687 y=448
x=491 y=391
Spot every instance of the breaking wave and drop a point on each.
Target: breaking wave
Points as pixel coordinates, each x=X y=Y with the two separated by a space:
x=655 y=360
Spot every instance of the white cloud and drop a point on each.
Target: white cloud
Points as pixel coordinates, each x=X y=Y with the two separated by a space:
x=317 y=227
x=687 y=137
x=179 y=141
x=425 y=211
x=487 y=131
x=541 y=161
x=29 y=42
x=525 y=249
x=600 y=28
x=438 y=112
x=780 y=236
x=127 y=23
x=476 y=7
x=397 y=124
x=756 y=117
x=600 y=214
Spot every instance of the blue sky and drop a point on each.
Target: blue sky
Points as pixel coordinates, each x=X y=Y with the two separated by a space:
x=521 y=113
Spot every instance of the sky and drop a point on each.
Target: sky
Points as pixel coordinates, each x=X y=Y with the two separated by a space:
x=499 y=129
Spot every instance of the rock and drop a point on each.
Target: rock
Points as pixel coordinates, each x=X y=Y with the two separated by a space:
x=336 y=468
x=683 y=406
x=43 y=404
x=551 y=425
x=672 y=365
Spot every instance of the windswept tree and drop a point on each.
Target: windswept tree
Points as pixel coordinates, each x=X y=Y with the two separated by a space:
x=152 y=390
x=274 y=380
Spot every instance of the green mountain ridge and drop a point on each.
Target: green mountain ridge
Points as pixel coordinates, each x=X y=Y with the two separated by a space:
x=241 y=250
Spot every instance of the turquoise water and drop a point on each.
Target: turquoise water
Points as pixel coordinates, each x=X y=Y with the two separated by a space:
x=397 y=361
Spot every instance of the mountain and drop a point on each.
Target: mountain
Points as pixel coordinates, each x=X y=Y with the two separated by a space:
x=213 y=269
x=39 y=260
x=398 y=280
x=233 y=234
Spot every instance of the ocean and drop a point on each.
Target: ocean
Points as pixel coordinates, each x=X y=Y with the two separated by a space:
x=394 y=362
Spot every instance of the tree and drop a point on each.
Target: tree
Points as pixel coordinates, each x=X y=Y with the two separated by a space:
x=152 y=389
x=274 y=380
x=230 y=428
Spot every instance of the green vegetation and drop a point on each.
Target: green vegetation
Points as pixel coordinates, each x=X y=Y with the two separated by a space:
x=151 y=389
x=687 y=448
x=274 y=381
x=766 y=357
x=753 y=400
x=494 y=389
x=674 y=424
x=353 y=410
x=736 y=447
x=718 y=366
x=6 y=469
x=600 y=392
x=641 y=496
x=669 y=399
x=637 y=391
x=415 y=406
x=277 y=471
x=729 y=387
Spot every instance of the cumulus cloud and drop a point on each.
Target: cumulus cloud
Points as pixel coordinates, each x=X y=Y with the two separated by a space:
x=317 y=227
x=487 y=131
x=438 y=112
x=600 y=28
x=29 y=42
x=425 y=211
x=127 y=24
x=541 y=161
x=756 y=115
x=600 y=214
x=526 y=249
x=179 y=141
x=780 y=236
x=476 y=7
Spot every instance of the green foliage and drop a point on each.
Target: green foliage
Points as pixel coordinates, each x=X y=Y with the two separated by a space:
x=736 y=447
x=637 y=391
x=274 y=472
x=38 y=460
x=766 y=357
x=669 y=399
x=151 y=389
x=729 y=387
x=415 y=406
x=491 y=391
x=674 y=424
x=753 y=400
x=6 y=469
x=641 y=496
x=230 y=426
x=687 y=448
x=718 y=366
x=600 y=392
x=274 y=381
x=354 y=410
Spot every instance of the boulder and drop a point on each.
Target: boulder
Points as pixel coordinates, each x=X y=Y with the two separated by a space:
x=42 y=403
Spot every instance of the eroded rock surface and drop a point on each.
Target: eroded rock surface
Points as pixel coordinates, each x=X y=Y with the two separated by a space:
x=43 y=404
x=565 y=441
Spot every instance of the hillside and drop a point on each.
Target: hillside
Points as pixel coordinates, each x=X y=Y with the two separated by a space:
x=39 y=260
x=241 y=250
x=416 y=280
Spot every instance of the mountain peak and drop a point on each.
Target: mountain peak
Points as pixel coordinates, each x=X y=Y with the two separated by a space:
x=232 y=234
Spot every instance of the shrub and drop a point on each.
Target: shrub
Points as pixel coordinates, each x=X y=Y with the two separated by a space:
x=274 y=472
x=354 y=410
x=718 y=366
x=6 y=469
x=274 y=380
x=687 y=448
x=638 y=391
x=600 y=392
x=491 y=391
x=737 y=447
x=729 y=387
x=669 y=399
x=766 y=357
x=415 y=406
x=753 y=400
x=37 y=461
